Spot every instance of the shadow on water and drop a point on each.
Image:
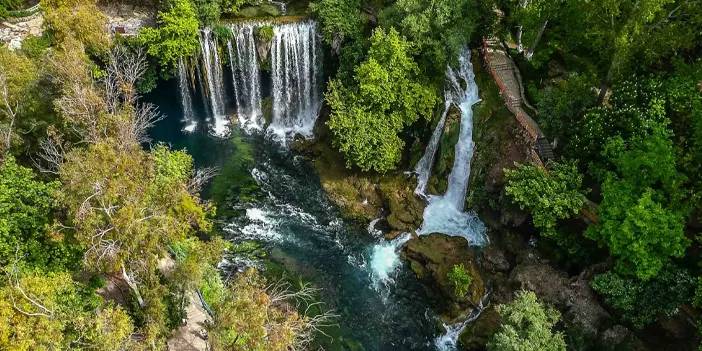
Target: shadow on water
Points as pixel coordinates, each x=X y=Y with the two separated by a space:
x=273 y=196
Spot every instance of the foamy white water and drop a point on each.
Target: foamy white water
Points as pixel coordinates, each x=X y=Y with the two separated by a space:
x=385 y=258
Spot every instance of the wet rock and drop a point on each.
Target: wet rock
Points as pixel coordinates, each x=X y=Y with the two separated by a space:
x=494 y=259
x=404 y=207
x=476 y=334
x=619 y=337
x=575 y=299
x=431 y=257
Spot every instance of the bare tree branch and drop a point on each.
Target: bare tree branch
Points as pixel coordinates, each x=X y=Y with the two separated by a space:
x=200 y=178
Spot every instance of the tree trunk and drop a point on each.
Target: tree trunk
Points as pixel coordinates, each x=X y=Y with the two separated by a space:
x=530 y=52
x=133 y=286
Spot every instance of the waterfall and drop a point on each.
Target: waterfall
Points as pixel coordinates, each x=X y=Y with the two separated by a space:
x=444 y=214
x=449 y=340
x=295 y=79
x=295 y=74
x=213 y=81
x=245 y=75
x=186 y=100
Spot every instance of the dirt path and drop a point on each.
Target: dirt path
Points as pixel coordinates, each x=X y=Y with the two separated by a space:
x=13 y=32
x=192 y=335
x=506 y=74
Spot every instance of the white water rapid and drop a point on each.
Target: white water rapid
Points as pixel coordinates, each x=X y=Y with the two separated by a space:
x=186 y=99
x=214 y=81
x=246 y=75
x=385 y=258
x=444 y=214
x=295 y=71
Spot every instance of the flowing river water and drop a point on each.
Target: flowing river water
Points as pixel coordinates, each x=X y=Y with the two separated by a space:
x=269 y=196
x=380 y=304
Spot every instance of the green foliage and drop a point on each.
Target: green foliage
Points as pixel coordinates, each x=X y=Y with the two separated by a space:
x=386 y=97
x=640 y=216
x=439 y=29
x=527 y=325
x=25 y=216
x=549 y=195
x=340 y=20
x=640 y=303
x=265 y=33
x=460 y=279
x=24 y=83
x=177 y=34
x=208 y=11
x=636 y=108
x=249 y=319
x=79 y=20
x=49 y=311
x=561 y=106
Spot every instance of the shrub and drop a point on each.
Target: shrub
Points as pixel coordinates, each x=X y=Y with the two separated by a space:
x=460 y=279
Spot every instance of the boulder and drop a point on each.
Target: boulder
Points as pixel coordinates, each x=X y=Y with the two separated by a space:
x=404 y=207
x=476 y=334
x=575 y=298
x=431 y=257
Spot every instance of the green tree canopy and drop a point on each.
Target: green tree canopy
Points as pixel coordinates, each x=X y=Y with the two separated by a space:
x=549 y=195
x=527 y=325
x=386 y=97
x=642 y=302
x=641 y=216
x=25 y=216
x=176 y=36
x=50 y=311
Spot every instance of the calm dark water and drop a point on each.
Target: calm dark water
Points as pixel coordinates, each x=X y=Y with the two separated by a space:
x=290 y=216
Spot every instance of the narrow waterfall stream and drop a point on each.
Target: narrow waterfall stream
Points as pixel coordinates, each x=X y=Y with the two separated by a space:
x=213 y=81
x=444 y=213
x=186 y=100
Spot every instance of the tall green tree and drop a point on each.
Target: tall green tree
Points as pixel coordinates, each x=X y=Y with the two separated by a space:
x=641 y=216
x=439 y=28
x=387 y=96
x=50 y=311
x=641 y=303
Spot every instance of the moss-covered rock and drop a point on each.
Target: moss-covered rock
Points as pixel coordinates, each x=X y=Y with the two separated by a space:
x=445 y=152
x=431 y=258
x=405 y=209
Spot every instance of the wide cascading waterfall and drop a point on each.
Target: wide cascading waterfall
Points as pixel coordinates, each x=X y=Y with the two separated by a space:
x=246 y=76
x=186 y=99
x=295 y=66
x=444 y=214
x=213 y=81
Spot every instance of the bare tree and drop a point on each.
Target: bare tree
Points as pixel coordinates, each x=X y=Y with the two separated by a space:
x=10 y=111
x=51 y=155
x=200 y=178
x=124 y=69
x=281 y=293
x=143 y=117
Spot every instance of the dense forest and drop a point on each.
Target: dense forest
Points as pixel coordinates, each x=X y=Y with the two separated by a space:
x=588 y=181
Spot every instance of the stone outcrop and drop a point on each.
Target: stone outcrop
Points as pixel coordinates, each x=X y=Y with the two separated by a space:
x=431 y=257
